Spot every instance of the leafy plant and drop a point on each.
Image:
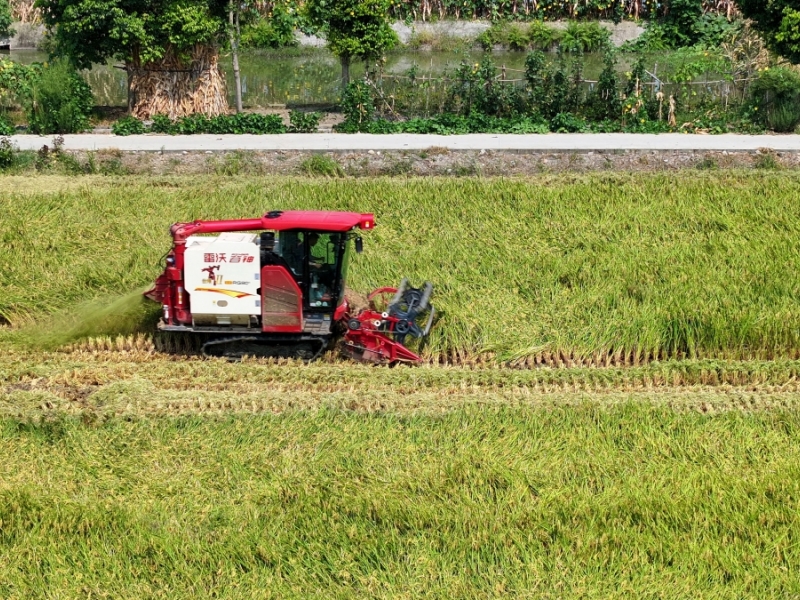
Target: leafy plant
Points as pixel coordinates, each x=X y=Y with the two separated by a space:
x=16 y=79
x=6 y=126
x=7 y=153
x=275 y=30
x=353 y=29
x=775 y=99
x=604 y=102
x=517 y=38
x=543 y=36
x=779 y=23
x=6 y=21
x=162 y=124
x=358 y=106
x=568 y=123
x=303 y=122
x=57 y=100
x=127 y=125
x=238 y=123
x=192 y=124
x=679 y=23
x=584 y=37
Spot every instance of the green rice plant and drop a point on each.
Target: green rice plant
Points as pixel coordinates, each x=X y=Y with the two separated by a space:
x=657 y=265
x=489 y=500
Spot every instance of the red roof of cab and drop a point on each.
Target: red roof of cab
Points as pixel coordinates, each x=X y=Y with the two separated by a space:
x=317 y=219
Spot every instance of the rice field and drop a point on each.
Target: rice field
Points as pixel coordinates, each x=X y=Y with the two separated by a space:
x=548 y=500
x=652 y=453
x=566 y=270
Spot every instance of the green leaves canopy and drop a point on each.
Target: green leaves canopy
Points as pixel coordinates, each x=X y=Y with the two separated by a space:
x=5 y=19
x=90 y=31
x=779 y=23
x=353 y=28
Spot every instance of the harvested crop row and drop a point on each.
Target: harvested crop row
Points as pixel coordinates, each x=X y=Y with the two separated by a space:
x=80 y=380
x=561 y=270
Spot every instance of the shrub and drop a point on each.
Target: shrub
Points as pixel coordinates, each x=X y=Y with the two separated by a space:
x=585 y=37
x=7 y=153
x=198 y=123
x=496 y=35
x=358 y=107
x=16 y=79
x=6 y=30
x=162 y=124
x=517 y=38
x=775 y=99
x=58 y=100
x=127 y=125
x=274 y=32
x=568 y=123
x=6 y=126
x=303 y=122
x=604 y=102
x=542 y=36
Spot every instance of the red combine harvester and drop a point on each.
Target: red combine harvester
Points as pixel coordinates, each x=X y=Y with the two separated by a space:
x=275 y=286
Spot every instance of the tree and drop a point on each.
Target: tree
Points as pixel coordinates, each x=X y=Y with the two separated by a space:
x=170 y=48
x=353 y=29
x=5 y=19
x=778 y=21
x=235 y=37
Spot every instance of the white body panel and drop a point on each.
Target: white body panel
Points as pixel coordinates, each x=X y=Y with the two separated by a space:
x=222 y=277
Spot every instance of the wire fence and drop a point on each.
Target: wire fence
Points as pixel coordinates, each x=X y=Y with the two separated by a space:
x=719 y=86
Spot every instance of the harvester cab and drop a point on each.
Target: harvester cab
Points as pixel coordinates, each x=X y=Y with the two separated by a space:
x=275 y=286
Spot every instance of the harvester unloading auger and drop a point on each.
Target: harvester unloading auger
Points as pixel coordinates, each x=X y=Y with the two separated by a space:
x=276 y=283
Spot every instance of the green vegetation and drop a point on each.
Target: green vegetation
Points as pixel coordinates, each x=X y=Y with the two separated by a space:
x=577 y=37
x=321 y=165
x=198 y=123
x=776 y=99
x=353 y=29
x=274 y=30
x=6 y=22
x=54 y=96
x=59 y=101
x=612 y=502
x=640 y=266
x=303 y=122
x=779 y=23
x=553 y=95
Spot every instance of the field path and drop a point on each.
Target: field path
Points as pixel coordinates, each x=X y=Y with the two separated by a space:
x=339 y=142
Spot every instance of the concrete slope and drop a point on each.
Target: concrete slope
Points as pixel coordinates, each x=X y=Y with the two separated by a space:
x=338 y=142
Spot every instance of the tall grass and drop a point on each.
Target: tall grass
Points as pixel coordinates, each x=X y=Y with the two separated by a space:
x=579 y=503
x=648 y=266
